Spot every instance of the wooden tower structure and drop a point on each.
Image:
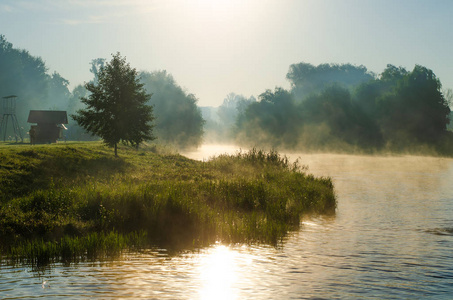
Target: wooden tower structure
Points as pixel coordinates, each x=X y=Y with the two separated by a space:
x=9 y=113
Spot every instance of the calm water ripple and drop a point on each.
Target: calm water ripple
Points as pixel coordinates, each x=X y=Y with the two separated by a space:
x=392 y=237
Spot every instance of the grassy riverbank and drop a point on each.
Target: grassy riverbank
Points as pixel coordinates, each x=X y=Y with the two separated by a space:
x=76 y=199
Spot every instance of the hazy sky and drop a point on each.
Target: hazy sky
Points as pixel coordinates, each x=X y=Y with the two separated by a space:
x=214 y=47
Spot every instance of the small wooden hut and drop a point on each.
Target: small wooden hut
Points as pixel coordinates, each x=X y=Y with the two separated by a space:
x=50 y=125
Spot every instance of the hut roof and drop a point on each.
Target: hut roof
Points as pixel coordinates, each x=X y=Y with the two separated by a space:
x=48 y=116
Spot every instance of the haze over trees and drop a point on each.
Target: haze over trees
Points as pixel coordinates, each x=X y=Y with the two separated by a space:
x=338 y=107
x=347 y=108
x=221 y=121
x=27 y=77
x=307 y=79
x=178 y=119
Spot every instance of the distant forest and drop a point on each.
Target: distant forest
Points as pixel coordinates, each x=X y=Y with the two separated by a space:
x=338 y=107
x=343 y=108
x=178 y=119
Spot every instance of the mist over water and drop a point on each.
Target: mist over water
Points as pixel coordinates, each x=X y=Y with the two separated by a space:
x=391 y=238
x=208 y=151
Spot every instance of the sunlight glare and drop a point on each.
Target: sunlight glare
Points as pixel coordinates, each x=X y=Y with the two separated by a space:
x=226 y=10
x=214 y=4
x=219 y=274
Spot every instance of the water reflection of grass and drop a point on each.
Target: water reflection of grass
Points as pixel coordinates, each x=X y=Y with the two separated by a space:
x=57 y=200
x=93 y=245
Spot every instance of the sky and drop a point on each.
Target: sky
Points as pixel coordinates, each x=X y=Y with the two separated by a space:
x=215 y=47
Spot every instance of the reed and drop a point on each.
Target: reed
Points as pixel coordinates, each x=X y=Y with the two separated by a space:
x=94 y=245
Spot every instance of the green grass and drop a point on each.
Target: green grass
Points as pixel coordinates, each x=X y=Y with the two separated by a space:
x=56 y=199
x=93 y=245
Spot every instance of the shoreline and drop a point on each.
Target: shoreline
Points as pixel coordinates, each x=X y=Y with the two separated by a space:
x=69 y=192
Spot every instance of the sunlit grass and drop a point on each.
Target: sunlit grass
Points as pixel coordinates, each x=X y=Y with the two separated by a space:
x=73 y=191
x=70 y=249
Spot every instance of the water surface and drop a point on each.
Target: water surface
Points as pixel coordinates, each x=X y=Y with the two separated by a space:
x=392 y=237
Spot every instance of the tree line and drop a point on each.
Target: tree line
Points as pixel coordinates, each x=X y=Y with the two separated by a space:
x=177 y=119
x=327 y=107
x=348 y=108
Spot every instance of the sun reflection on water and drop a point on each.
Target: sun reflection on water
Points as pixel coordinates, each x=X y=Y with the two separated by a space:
x=219 y=273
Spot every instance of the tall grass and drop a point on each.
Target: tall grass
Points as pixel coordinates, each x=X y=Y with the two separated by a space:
x=85 y=195
x=94 y=245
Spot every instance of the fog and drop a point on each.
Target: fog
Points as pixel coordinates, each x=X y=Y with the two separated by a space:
x=328 y=107
x=342 y=108
x=178 y=119
x=27 y=77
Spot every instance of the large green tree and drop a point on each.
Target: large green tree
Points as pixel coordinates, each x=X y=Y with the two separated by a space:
x=415 y=110
x=116 y=107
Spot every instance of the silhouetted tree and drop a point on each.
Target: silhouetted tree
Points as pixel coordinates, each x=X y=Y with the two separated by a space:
x=307 y=79
x=345 y=120
x=392 y=73
x=273 y=121
x=58 y=90
x=116 y=109
x=416 y=110
x=227 y=113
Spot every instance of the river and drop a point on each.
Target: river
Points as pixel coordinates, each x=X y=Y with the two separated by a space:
x=391 y=238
